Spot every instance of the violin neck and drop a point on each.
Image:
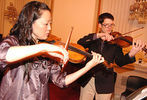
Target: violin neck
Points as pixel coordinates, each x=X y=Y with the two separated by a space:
x=88 y=55
x=122 y=38
x=80 y=51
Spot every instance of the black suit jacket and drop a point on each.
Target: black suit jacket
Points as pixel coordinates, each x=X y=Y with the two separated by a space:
x=104 y=77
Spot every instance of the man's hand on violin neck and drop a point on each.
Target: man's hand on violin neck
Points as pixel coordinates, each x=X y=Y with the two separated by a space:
x=137 y=46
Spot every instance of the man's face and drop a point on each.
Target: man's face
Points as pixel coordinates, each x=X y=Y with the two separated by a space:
x=107 y=25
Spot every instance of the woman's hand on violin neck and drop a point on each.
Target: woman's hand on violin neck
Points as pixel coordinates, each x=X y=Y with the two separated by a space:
x=56 y=51
x=97 y=59
x=137 y=46
x=105 y=36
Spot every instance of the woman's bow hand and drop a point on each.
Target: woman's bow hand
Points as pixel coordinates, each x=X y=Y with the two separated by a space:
x=56 y=52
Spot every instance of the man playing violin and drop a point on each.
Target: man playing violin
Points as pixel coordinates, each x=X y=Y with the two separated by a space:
x=100 y=81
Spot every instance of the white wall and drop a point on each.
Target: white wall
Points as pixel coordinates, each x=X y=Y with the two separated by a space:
x=81 y=14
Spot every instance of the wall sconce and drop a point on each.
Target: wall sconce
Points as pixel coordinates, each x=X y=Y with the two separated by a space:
x=138 y=11
x=11 y=13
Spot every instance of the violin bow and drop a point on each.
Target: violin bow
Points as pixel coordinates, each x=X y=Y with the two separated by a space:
x=68 y=39
x=132 y=31
x=67 y=44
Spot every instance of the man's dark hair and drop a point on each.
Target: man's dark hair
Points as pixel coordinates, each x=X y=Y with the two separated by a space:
x=103 y=16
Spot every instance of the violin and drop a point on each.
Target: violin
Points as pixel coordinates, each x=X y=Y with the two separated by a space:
x=77 y=53
x=123 y=41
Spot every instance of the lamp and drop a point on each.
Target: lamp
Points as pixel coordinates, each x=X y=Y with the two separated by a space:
x=11 y=13
x=138 y=11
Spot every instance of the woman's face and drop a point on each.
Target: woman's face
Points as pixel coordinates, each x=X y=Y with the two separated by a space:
x=42 y=26
x=107 y=26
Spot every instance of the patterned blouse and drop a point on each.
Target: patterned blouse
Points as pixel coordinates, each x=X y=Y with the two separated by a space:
x=27 y=80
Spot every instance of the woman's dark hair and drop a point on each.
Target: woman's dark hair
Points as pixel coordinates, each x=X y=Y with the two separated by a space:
x=103 y=16
x=23 y=27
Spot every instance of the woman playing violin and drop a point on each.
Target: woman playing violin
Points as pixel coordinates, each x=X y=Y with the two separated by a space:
x=24 y=71
x=102 y=79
